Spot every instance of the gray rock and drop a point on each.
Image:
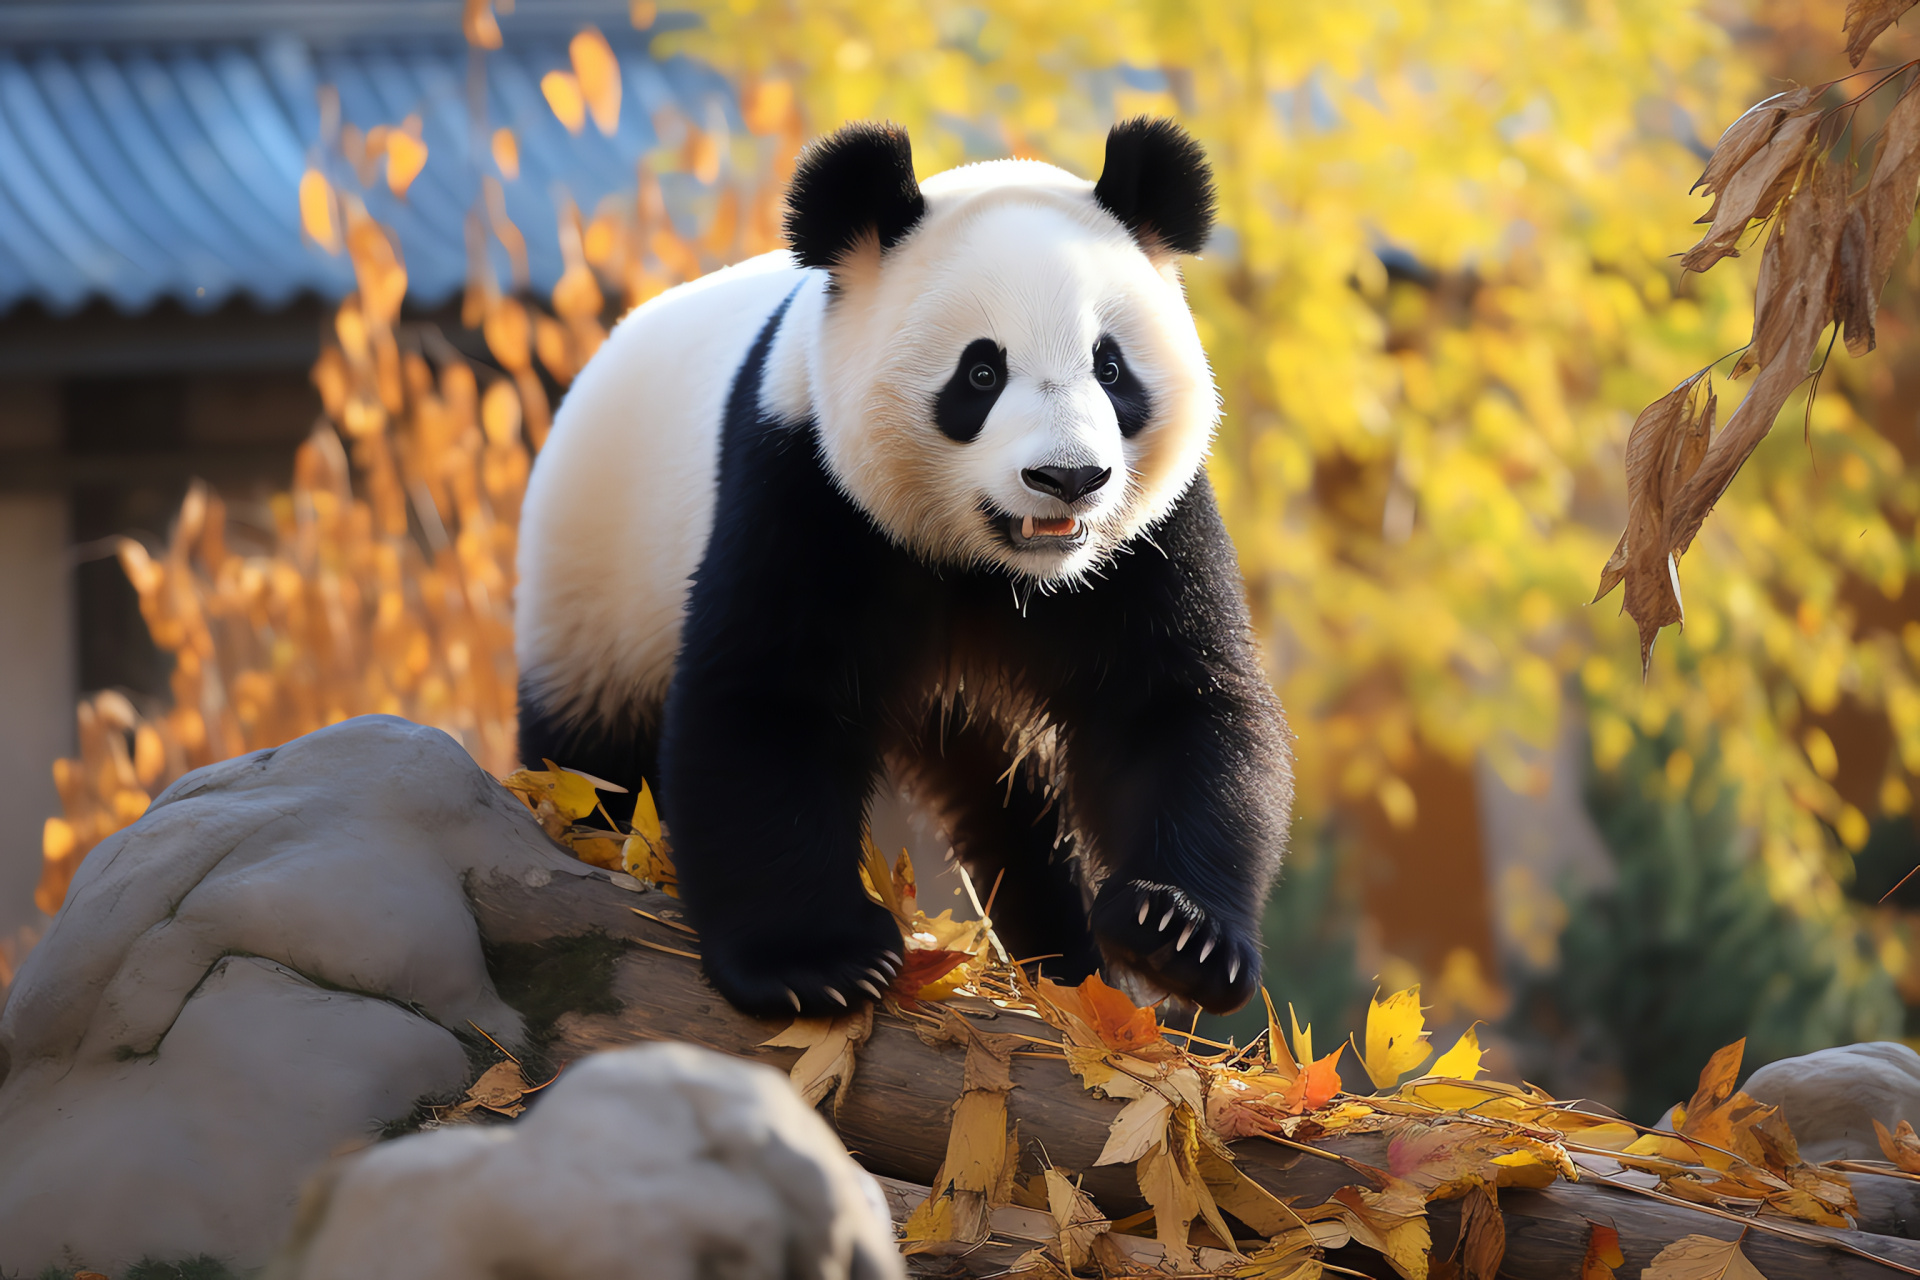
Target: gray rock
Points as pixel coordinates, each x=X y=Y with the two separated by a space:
x=664 y=1162
x=1831 y=1098
x=264 y=968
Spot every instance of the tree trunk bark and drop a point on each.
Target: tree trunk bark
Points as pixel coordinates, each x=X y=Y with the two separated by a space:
x=894 y=1116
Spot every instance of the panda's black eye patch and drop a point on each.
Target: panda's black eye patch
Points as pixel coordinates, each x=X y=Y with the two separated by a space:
x=1132 y=406
x=962 y=406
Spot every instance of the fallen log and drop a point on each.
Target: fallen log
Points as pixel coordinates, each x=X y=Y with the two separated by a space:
x=894 y=1115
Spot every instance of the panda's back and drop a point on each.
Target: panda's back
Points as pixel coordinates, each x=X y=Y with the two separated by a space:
x=620 y=504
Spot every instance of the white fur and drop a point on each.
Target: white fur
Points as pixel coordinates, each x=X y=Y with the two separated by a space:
x=621 y=503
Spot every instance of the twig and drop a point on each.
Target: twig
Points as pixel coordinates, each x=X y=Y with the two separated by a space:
x=693 y=933
x=672 y=951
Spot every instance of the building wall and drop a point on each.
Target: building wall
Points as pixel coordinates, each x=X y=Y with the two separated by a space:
x=36 y=650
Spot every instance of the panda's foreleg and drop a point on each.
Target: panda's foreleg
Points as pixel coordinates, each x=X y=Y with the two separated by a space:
x=765 y=794
x=1181 y=768
x=1005 y=827
x=620 y=749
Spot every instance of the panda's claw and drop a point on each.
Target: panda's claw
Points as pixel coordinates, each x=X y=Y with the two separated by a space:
x=795 y=997
x=1175 y=958
x=837 y=997
x=893 y=956
x=868 y=987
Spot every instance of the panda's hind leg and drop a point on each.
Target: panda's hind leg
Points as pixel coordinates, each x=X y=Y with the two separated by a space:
x=1004 y=827
x=623 y=752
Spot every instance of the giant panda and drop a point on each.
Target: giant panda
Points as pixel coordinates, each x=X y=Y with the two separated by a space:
x=924 y=494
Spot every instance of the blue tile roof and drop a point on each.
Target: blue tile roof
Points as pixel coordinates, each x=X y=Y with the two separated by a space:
x=139 y=172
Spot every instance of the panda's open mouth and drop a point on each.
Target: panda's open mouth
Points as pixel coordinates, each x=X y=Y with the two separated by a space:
x=1036 y=533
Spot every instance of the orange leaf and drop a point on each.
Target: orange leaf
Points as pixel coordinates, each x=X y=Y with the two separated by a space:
x=924 y=968
x=1317 y=1083
x=1119 y=1023
x=1603 y=1253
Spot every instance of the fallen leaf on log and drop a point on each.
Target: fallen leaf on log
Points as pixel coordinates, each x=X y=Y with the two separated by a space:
x=1603 y=1253
x=1902 y=1146
x=1701 y=1258
x=831 y=1045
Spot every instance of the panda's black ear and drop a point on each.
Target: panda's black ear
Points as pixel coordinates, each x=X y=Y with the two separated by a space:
x=855 y=182
x=1158 y=183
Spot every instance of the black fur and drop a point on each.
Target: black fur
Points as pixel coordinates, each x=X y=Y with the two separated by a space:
x=622 y=752
x=962 y=406
x=855 y=182
x=1157 y=182
x=810 y=656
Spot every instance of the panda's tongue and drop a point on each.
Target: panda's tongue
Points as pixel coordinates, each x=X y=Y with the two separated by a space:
x=1065 y=527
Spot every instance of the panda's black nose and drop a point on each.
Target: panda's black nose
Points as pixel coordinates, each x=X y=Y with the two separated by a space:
x=1069 y=484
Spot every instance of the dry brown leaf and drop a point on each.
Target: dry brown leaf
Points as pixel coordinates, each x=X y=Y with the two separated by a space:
x=1754 y=191
x=1902 y=1146
x=1851 y=284
x=1894 y=184
x=1866 y=19
x=1171 y=1180
x=1787 y=335
x=1701 y=1258
x=1664 y=448
x=1080 y=1222
x=1140 y=1127
x=1393 y=1223
x=1748 y=134
x=1293 y=1255
x=500 y=1088
x=1483 y=1236
x=1603 y=1252
x=831 y=1045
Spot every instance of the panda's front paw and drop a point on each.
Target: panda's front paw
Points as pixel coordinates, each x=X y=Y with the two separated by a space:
x=1164 y=934
x=809 y=968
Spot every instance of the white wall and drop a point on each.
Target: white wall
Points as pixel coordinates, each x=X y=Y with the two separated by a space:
x=36 y=687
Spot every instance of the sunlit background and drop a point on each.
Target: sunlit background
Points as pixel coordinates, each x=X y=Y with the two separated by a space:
x=289 y=289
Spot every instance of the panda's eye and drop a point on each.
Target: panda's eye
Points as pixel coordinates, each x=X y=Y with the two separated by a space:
x=1107 y=369
x=983 y=377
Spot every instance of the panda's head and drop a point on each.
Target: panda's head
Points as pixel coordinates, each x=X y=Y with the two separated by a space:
x=1005 y=371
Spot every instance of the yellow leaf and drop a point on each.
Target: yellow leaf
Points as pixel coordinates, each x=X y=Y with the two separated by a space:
x=1277 y=1053
x=478 y=24
x=316 y=211
x=646 y=816
x=506 y=153
x=1701 y=1258
x=406 y=156
x=563 y=94
x=1396 y=1037
x=573 y=793
x=1302 y=1040
x=1462 y=1062
x=597 y=72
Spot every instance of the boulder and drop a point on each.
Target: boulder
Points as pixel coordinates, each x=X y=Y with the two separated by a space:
x=664 y=1162
x=1831 y=1098
x=276 y=961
